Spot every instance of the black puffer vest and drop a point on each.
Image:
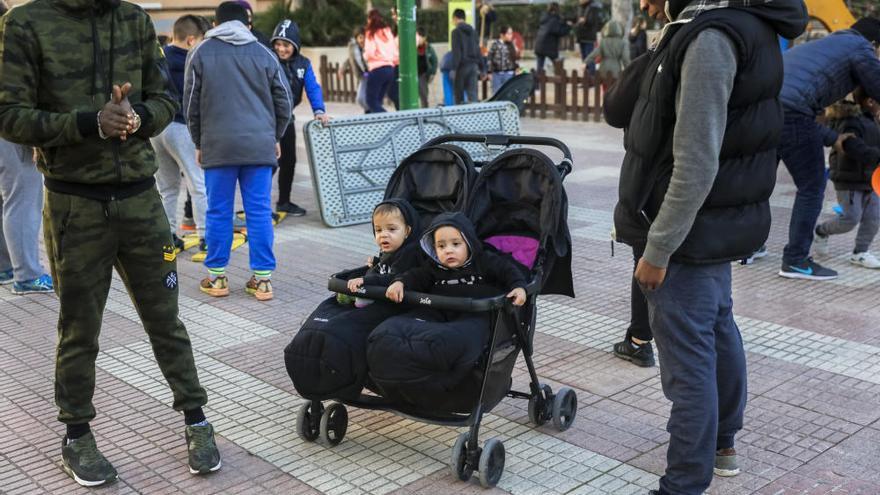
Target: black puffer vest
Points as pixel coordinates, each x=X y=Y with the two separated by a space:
x=734 y=221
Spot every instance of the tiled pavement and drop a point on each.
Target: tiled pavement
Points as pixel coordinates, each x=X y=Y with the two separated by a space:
x=812 y=424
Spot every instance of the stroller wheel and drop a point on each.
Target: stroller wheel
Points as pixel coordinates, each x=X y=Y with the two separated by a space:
x=334 y=423
x=306 y=428
x=458 y=464
x=565 y=406
x=538 y=413
x=491 y=463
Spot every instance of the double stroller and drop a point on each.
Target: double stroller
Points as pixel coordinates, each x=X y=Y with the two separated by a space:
x=518 y=206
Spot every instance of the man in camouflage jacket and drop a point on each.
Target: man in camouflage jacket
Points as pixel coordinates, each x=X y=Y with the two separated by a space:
x=83 y=82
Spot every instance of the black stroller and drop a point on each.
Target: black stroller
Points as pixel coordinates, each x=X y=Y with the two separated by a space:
x=518 y=205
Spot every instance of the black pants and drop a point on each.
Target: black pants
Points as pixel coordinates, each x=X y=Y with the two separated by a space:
x=465 y=84
x=639 y=327
x=287 y=164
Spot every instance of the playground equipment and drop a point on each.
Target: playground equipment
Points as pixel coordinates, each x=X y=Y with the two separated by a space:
x=833 y=14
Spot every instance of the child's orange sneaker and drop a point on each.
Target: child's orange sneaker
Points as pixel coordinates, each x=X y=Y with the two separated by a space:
x=217 y=287
x=259 y=288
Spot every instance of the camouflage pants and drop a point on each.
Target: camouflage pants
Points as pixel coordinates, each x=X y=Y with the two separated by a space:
x=85 y=239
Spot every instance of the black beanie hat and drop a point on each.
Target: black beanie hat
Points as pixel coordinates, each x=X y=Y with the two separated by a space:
x=230 y=11
x=869 y=27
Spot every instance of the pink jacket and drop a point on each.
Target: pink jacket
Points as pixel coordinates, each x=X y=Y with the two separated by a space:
x=381 y=49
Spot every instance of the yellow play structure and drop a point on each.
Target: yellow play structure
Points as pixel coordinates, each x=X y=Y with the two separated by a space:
x=832 y=13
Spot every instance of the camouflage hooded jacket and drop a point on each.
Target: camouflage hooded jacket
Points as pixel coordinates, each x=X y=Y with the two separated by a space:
x=58 y=61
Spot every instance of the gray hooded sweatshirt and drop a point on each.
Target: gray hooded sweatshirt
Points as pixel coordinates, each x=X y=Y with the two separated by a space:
x=236 y=98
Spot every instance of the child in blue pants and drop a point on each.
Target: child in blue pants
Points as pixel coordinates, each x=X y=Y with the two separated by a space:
x=236 y=115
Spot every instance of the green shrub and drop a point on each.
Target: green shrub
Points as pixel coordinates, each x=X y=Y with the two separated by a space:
x=321 y=22
x=436 y=24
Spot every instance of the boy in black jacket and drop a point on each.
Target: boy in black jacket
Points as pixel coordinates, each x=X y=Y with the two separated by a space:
x=461 y=267
x=851 y=174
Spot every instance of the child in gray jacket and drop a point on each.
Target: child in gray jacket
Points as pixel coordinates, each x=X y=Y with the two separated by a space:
x=237 y=105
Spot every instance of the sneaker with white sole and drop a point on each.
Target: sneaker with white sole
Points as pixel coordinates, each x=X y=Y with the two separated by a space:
x=866 y=259
x=82 y=460
x=760 y=253
x=204 y=457
x=726 y=463
x=820 y=243
x=6 y=277
x=807 y=270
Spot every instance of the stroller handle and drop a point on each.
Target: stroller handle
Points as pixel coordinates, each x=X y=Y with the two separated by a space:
x=503 y=140
x=338 y=282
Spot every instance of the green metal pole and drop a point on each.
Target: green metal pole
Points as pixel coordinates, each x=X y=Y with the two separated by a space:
x=409 y=76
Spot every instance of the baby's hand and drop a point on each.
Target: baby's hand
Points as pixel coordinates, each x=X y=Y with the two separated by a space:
x=518 y=295
x=355 y=284
x=370 y=262
x=395 y=292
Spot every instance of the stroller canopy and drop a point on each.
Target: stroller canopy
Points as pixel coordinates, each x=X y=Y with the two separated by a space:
x=434 y=179
x=520 y=193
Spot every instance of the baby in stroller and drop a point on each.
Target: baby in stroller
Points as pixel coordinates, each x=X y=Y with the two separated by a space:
x=460 y=264
x=392 y=228
x=326 y=358
x=441 y=346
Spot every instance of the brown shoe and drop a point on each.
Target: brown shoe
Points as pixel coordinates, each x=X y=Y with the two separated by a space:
x=261 y=289
x=217 y=287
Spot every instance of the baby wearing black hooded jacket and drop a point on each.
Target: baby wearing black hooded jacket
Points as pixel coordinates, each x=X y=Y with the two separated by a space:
x=395 y=225
x=460 y=266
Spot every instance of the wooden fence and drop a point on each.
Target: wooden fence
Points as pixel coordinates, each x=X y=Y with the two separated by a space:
x=572 y=95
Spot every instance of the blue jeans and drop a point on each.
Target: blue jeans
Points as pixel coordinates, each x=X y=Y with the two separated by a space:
x=499 y=78
x=802 y=152
x=703 y=370
x=21 y=199
x=586 y=47
x=379 y=83
x=255 y=182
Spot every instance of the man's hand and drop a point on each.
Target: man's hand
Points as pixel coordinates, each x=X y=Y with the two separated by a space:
x=113 y=121
x=649 y=276
x=395 y=292
x=277 y=151
x=324 y=118
x=355 y=284
x=199 y=157
x=518 y=295
x=119 y=95
x=838 y=145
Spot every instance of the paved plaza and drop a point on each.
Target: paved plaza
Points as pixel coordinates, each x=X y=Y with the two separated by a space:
x=812 y=423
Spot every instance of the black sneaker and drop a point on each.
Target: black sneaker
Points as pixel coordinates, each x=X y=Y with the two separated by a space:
x=638 y=354
x=82 y=460
x=808 y=270
x=291 y=209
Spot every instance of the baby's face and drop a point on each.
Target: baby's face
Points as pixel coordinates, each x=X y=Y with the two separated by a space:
x=390 y=231
x=450 y=246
